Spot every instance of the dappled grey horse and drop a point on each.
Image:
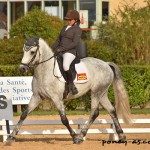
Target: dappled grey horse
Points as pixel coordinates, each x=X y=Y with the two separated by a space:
x=45 y=85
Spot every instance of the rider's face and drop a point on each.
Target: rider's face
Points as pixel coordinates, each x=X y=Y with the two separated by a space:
x=71 y=22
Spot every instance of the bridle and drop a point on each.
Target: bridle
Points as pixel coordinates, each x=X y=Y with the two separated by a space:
x=30 y=65
x=28 y=48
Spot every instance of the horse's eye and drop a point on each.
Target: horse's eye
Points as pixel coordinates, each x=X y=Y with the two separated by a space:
x=32 y=52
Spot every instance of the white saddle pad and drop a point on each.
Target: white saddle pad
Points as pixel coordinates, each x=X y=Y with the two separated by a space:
x=82 y=73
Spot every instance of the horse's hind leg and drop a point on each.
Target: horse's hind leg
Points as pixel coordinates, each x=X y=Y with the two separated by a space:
x=59 y=104
x=111 y=110
x=93 y=115
x=34 y=102
x=65 y=122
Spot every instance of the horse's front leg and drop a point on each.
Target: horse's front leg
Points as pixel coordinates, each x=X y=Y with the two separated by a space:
x=31 y=106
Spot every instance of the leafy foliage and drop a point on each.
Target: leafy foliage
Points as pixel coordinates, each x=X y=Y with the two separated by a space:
x=127 y=35
x=99 y=50
x=37 y=22
x=11 y=51
x=12 y=70
x=137 y=81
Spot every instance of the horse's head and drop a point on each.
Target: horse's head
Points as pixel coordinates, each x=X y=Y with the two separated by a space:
x=31 y=54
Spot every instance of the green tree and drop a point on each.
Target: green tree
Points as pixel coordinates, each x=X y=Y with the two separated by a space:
x=37 y=22
x=127 y=34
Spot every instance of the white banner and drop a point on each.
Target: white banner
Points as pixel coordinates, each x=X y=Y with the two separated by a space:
x=6 y=111
x=18 y=87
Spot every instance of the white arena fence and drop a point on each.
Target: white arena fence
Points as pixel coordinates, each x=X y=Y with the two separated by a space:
x=6 y=125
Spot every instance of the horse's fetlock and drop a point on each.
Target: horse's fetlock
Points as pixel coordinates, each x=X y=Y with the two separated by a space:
x=84 y=132
x=16 y=131
x=10 y=139
x=73 y=134
x=120 y=131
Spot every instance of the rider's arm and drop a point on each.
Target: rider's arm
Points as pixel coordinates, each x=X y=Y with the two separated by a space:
x=56 y=43
x=75 y=42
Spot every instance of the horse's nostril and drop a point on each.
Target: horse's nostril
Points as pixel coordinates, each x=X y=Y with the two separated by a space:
x=23 y=68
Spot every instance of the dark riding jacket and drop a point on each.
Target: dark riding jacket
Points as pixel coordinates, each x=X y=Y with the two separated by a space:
x=68 y=40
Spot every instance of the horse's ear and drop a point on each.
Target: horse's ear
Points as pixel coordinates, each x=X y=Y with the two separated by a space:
x=37 y=37
x=26 y=36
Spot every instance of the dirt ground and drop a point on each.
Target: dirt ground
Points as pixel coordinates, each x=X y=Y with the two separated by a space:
x=64 y=142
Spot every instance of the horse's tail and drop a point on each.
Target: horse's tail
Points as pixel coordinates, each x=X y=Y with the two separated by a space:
x=121 y=97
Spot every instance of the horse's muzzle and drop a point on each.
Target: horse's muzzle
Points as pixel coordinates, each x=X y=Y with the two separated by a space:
x=23 y=68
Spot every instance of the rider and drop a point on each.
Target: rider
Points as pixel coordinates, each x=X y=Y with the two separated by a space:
x=67 y=43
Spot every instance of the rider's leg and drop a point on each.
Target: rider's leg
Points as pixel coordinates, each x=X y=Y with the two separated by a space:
x=67 y=60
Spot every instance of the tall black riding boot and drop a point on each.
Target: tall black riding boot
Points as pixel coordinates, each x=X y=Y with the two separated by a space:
x=70 y=83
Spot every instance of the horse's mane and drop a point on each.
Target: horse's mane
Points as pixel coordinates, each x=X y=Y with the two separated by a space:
x=45 y=43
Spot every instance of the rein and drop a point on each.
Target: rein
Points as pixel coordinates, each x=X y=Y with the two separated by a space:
x=45 y=60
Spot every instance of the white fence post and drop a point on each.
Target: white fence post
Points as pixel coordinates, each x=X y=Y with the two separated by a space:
x=4 y=129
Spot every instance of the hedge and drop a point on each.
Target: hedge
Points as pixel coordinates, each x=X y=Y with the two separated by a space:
x=136 y=80
x=12 y=50
x=12 y=70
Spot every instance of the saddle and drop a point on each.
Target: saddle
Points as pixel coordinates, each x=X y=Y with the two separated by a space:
x=78 y=71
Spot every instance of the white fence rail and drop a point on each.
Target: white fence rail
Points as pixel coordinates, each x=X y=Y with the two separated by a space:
x=79 y=122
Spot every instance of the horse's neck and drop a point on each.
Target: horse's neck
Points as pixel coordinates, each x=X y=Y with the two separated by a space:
x=45 y=70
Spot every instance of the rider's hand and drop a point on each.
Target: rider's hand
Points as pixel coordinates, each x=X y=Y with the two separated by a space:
x=58 y=50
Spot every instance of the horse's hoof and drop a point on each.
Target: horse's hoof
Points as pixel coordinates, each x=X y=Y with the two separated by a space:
x=122 y=139
x=78 y=139
x=10 y=139
x=77 y=142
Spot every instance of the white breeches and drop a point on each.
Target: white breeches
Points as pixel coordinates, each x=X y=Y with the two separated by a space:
x=67 y=60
